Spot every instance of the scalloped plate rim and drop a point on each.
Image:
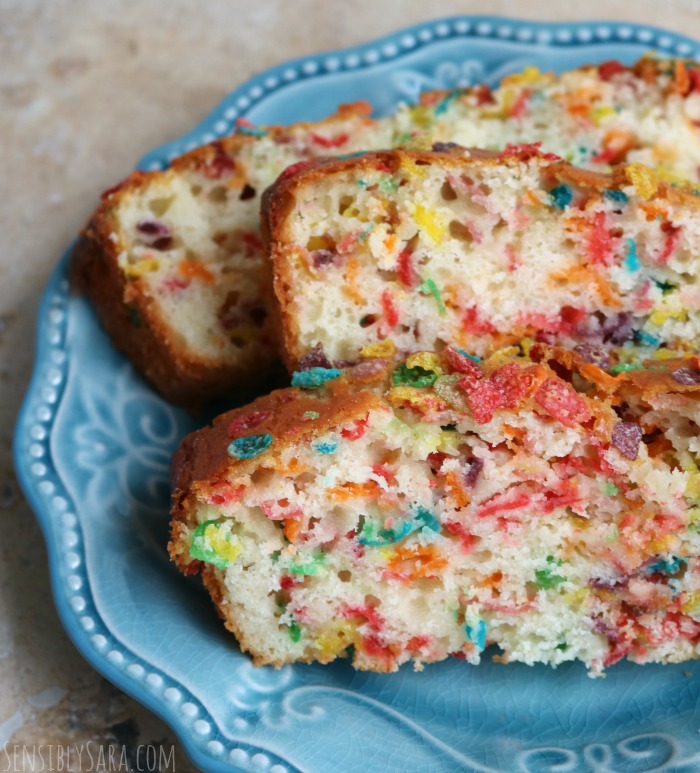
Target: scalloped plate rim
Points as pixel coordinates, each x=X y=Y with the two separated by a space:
x=22 y=462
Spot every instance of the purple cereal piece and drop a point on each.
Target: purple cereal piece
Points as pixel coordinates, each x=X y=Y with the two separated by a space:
x=618 y=328
x=475 y=467
x=323 y=258
x=369 y=367
x=344 y=363
x=316 y=358
x=600 y=584
x=626 y=437
x=443 y=147
x=596 y=355
x=158 y=235
x=686 y=376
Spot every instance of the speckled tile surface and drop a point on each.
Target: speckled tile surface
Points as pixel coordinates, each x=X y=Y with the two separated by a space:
x=86 y=88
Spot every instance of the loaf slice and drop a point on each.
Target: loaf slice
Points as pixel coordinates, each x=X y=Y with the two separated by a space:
x=435 y=506
x=172 y=259
x=424 y=248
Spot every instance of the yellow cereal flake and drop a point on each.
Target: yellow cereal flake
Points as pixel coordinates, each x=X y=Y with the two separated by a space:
x=659 y=316
x=230 y=550
x=528 y=76
x=135 y=270
x=643 y=178
x=334 y=640
x=502 y=356
x=421 y=116
x=386 y=349
x=430 y=222
x=597 y=114
x=413 y=395
x=425 y=360
x=665 y=354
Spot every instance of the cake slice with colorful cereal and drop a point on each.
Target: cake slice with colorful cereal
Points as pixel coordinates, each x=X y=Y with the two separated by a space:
x=172 y=259
x=417 y=249
x=432 y=507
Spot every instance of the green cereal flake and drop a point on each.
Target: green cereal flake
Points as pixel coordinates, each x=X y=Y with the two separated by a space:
x=312 y=415
x=294 y=631
x=415 y=377
x=430 y=288
x=610 y=489
x=625 y=366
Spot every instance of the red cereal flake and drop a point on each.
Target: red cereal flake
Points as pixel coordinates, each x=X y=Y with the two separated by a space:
x=369 y=613
x=672 y=237
x=483 y=400
x=461 y=363
x=248 y=421
x=407 y=274
x=218 y=165
x=606 y=70
x=225 y=495
x=561 y=402
x=512 y=382
x=355 y=431
x=330 y=142
x=472 y=323
x=391 y=313
x=520 y=105
x=600 y=245
x=293 y=169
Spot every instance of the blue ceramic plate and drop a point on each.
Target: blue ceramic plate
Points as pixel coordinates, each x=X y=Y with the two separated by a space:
x=92 y=449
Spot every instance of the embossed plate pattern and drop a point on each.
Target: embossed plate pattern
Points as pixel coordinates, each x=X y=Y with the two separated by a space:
x=92 y=447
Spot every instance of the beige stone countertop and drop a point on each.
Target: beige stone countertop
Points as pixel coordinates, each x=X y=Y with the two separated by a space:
x=86 y=88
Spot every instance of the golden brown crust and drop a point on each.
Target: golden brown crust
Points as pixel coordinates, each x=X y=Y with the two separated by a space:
x=132 y=318
x=279 y=199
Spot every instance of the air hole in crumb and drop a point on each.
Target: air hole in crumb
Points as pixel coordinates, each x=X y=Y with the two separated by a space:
x=345 y=575
x=345 y=203
x=421 y=162
x=368 y=319
x=218 y=194
x=460 y=231
x=372 y=601
x=447 y=191
x=196 y=190
x=160 y=206
x=237 y=341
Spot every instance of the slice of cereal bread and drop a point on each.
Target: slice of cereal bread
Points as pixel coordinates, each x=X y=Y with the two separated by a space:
x=435 y=506
x=418 y=249
x=172 y=259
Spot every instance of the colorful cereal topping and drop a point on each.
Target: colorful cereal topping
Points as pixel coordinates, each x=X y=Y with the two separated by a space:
x=314 y=377
x=250 y=446
x=626 y=437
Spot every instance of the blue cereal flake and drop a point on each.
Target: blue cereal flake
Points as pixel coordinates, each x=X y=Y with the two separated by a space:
x=632 y=260
x=326 y=446
x=561 y=196
x=472 y=357
x=475 y=629
x=374 y=537
x=620 y=197
x=314 y=377
x=446 y=101
x=427 y=519
x=248 y=447
x=647 y=339
x=670 y=566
